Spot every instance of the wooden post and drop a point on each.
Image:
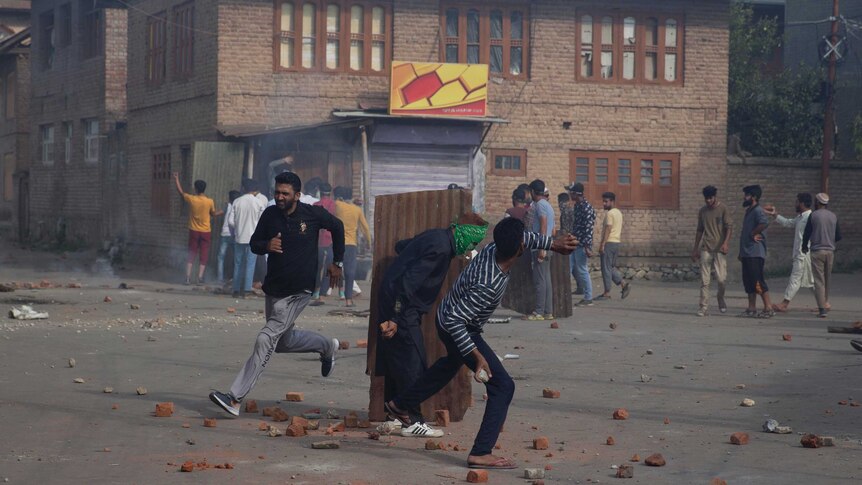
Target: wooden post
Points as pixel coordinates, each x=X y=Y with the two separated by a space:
x=402 y=216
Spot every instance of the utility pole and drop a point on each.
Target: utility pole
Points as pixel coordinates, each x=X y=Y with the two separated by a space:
x=829 y=118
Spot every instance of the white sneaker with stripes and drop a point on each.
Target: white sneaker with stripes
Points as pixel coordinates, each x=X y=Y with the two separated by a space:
x=421 y=430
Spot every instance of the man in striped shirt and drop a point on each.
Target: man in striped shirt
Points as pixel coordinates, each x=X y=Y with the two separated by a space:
x=460 y=318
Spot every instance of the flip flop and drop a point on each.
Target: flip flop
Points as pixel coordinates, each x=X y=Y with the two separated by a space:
x=501 y=464
x=403 y=418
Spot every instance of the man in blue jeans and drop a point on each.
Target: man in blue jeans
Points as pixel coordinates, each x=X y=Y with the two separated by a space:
x=460 y=318
x=246 y=212
x=585 y=219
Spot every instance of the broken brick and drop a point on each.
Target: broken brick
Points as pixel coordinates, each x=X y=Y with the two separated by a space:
x=610 y=441
x=625 y=471
x=810 y=441
x=555 y=325
x=477 y=476
x=540 y=443
x=115 y=406
x=363 y=423
x=108 y=299
x=787 y=337
x=362 y=344
x=621 y=414
x=442 y=417
x=635 y=458
x=717 y=481
x=550 y=393
x=295 y=430
x=842 y=403
x=294 y=397
x=666 y=420
x=251 y=406
x=655 y=460
x=188 y=467
x=209 y=422
x=279 y=415
x=343 y=345
x=299 y=421
x=262 y=426
x=373 y=435
x=826 y=441
x=187 y=425
x=267 y=412
x=739 y=438
x=313 y=424
x=351 y=421
x=231 y=309
x=164 y=409
x=434 y=445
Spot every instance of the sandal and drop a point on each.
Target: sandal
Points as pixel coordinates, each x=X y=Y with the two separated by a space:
x=401 y=416
x=766 y=314
x=501 y=464
x=748 y=314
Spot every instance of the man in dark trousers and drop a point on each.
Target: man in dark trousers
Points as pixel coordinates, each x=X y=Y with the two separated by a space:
x=461 y=317
x=409 y=289
x=288 y=233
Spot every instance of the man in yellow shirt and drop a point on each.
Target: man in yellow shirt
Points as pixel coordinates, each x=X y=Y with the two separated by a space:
x=354 y=220
x=610 y=247
x=201 y=209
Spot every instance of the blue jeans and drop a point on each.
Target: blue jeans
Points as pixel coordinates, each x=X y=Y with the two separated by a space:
x=226 y=241
x=582 y=272
x=243 y=267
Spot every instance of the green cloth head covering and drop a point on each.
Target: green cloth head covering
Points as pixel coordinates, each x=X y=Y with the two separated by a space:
x=467 y=236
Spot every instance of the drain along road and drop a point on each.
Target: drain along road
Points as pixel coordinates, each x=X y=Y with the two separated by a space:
x=681 y=378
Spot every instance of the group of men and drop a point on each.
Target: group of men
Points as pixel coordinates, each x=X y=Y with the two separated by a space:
x=578 y=218
x=816 y=234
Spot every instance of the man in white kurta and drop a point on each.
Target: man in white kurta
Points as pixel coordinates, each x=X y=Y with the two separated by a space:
x=801 y=275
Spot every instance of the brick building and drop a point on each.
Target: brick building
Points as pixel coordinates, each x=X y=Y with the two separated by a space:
x=77 y=117
x=622 y=95
x=14 y=101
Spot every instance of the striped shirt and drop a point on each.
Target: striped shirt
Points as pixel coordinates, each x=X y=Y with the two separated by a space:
x=477 y=292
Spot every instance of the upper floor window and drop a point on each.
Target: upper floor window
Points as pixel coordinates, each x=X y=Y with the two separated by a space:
x=183 y=40
x=495 y=35
x=90 y=29
x=618 y=47
x=46 y=141
x=65 y=21
x=48 y=39
x=156 y=48
x=333 y=36
x=640 y=180
x=91 y=140
x=67 y=142
x=9 y=94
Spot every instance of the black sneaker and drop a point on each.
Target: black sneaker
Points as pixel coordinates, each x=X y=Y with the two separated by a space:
x=585 y=303
x=225 y=402
x=856 y=344
x=327 y=362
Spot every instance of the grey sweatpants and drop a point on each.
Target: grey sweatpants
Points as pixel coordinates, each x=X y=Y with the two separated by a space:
x=279 y=335
x=542 y=280
x=609 y=266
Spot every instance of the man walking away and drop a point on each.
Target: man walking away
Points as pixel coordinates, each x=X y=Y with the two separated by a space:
x=460 y=320
x=801 y=275
x=585 y=221
x=246 y=212
x=519 y=205
x=201 y=209
x=752 y=253
x=542 y=222
x=820 y=237
x=324 y=246
x=288 y=233
x=409 y=290
x=610 y=247
x=354 y=221
x=711 y=245
x=226 y=234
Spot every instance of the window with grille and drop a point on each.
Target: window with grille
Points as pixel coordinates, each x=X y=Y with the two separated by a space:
x=497 y=35
x=333 y=36
x=47 y=40
x=65 y=34
x=67 y=142
x=160 y=199
x=91 y=141
x=156 y=48
x=91 y=28
x=640 y=180
x=510 y=163
x=620 y=47
x=46 y=140
x=183 y=40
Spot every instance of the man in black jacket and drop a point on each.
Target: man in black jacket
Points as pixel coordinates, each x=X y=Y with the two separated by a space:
x=288 y=232
x=410 y=288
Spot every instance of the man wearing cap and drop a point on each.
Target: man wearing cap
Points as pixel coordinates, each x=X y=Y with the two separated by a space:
x=542 y=222
x=752 y=253
x=820 y=237
x=800 y=275
x=585 y=220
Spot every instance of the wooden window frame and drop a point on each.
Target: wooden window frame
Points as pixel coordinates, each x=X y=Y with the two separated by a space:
x=68 y=131
x=65 y=25
x=344 y=37
x=46 y=148
x=184 y=40
x=485 y=40
x=91 y=140
x=156 y=62
x=91 y=30
x=633 y=195
x=503 y=172
x=161 y=174
x=48 y=39
x=640 y=47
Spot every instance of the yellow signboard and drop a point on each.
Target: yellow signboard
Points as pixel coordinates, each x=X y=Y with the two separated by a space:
x=438 y=89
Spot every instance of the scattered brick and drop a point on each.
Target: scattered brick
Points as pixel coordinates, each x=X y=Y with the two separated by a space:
x=362 y=344
x=555 y=325
x=655 y=460
x=625 y=471
x=855 y=404
x=299 y=421
x=267 y=412
x=826 y=441
x=343 y=345
x=666 y=420
x=787 y=337
x=538 y=482
x=351 y=421
x=73 y=285
x=164 y=409
x=225 y=466
x=842 y=403
x=273 y=431
x=477 y=476
x=326 y=445
x=621 y=414
x=251 y=406
x=363 y=423
x=294 y=397
x=442 y=417
x=540 y=443
x=115 y=406
x=550 y=393
x=374 y=435
x=549 y=455
x=261 y=426
x=187 y=425
x=134 y=306
x=313 y=425
x=610 y=441
x=188 y=467
x=739 y=438
x=209 y=422
x=434 y=445
x=279 y=415
x=717 y=481
x=635 y=458
x=549 y=467
x=295 y=430
x=108 y=299
x=231 y=309
x=810 y=441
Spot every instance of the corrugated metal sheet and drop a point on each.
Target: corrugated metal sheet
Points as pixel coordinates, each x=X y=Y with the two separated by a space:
x=401 y=216
x=520 y=295
x=219 y=164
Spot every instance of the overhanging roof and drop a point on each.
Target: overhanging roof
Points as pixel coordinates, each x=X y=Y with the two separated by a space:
x=12 y=42
x=252 y=130
x=384 y=115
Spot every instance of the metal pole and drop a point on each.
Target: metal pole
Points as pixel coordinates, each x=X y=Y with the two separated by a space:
x=829 y=118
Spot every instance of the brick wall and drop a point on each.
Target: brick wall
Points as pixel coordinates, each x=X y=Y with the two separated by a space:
x=72 y=90
x=14 y=131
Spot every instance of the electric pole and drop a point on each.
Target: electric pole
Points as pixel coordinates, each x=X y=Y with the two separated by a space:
x=829 y=118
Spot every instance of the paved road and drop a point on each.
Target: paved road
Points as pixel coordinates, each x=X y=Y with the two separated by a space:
x=58 y=431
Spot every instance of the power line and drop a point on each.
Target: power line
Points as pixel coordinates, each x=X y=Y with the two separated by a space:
x=164 y=19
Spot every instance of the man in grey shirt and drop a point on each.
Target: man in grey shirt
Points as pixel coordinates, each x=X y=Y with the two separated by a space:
x=542 y=222
x=752 y=253
x=821 y=233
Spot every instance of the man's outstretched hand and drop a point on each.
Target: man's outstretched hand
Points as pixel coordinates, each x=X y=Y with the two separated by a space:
x=334 y=276
x=564 y=244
